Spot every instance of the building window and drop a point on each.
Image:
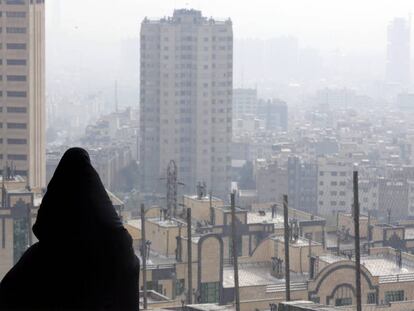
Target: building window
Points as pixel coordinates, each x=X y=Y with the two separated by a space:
x=179 y=287
x=397 y=295
x=20 y=126
x=16 y=94
x=16 y=141
x=153 y=285
x=20 y=237
x=343 y=301
x=17 y=157
x=16 y=30
x=18 y=2
x=16 y=14
x=16 y=109
x=372 y=298
x=16 y=62
x=16 y=46
x=210 y=292
x=18 y=78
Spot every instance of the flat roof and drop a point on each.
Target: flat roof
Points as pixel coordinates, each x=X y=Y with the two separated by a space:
x=256 y=273
x=204 y=198
x=211 y=306
x=380 y=265
x=266 y=217
x=300 y=241
x=169 y=223
x=158 y=259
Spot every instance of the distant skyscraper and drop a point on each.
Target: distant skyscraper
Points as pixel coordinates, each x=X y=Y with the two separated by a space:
x=186 y=100
x=398 y=52
x=244 y=103
x=22 y=130
x=275 y=114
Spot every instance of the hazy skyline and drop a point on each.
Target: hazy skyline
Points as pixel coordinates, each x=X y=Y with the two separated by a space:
x=325 y=24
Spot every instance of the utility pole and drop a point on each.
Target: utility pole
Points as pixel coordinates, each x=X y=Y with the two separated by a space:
x=310 y=253
x=189 y=259
x=287 y=262
x=212 y=220
x=369 y=233
x=235 y=257
x=338 y=235
x=357 y=241
x=144 y=257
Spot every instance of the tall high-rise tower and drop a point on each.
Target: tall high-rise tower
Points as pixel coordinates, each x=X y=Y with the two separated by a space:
x=186 y=100
x=398 y=52
x=22 y=81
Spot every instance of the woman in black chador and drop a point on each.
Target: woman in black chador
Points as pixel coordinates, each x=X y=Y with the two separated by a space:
x=84 y=259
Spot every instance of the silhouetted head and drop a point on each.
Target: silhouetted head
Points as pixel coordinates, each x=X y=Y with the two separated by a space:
x=76 y=204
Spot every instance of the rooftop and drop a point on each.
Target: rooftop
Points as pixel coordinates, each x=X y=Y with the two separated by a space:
x=299 y=242
x=265 y=217
x=379 y=265
x=254 y=274
x=210 y=307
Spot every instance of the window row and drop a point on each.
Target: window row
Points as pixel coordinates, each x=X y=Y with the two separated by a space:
x=14 y=78
x=15 y=157
x=15 y=141
x=322 y=173
x=13 y=126
x=14 y=62
x=14 y=14
x=15 y=94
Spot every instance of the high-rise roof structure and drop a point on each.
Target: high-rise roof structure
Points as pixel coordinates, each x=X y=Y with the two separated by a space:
x=186 y=100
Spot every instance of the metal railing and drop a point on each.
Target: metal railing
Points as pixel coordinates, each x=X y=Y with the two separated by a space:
x=396 y=278
x=281 y=287
x=161 y=266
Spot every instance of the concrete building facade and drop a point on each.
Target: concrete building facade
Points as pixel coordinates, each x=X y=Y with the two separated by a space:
x=302 y=184
x=186 y=100
x=23 y=89
x=244 y=103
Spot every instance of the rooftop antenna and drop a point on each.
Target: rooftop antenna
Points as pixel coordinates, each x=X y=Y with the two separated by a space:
x=357 y=243
x=172 y=189
x=286 y=236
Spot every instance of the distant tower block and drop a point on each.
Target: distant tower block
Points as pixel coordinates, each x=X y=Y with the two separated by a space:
x=186 y=100
x=23 y=89
x=398 y=52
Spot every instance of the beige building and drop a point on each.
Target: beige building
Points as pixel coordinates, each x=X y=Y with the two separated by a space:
x=186 y=100
x=271 y=181
x=23 y=88
x=334 y=180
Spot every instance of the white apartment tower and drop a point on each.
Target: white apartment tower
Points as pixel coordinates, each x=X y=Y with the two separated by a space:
x=186 y=100
x=22 y=80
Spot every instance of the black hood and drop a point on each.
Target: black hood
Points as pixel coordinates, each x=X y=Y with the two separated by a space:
x=76 y=204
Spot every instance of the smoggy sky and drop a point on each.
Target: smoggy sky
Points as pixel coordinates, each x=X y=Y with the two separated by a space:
x=325 y=24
